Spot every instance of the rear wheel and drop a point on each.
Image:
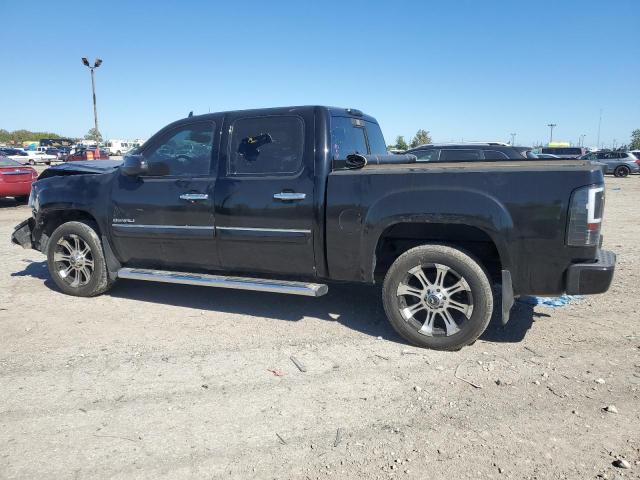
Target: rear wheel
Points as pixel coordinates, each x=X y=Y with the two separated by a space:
x=32 y=161
x=438 y=297
x=76 y=260
x=622 y=171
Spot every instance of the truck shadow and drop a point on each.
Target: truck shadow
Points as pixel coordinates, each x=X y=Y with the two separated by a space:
x=358 y=307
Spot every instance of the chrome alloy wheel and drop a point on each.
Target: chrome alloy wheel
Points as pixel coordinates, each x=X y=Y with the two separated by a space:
x=73 y=260
x=435 y=299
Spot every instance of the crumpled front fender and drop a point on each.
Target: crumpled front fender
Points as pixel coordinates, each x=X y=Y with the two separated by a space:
x=23 y=233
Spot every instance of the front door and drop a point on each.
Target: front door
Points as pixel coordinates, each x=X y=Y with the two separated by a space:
x=265 y=194
x=165 y=218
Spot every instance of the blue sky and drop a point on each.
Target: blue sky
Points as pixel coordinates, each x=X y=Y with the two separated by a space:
x=462 y=70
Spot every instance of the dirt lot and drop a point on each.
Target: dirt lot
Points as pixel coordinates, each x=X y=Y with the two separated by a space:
x=161 y=381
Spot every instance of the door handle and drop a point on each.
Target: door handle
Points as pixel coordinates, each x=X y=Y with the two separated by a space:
x=194 y=196
x=289 y=196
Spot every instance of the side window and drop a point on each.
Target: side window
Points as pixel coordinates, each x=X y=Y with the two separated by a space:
x=459 y=155
x=346 y=138
x=427 y=155
x=185 y=151
x=494 y=155
x=266 y=145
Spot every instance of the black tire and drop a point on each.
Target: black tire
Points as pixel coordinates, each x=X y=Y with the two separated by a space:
x=118 y=153
x=621 y=171
x=32 y=161
x=22 y=199
x=98 y=282
x=474 y=293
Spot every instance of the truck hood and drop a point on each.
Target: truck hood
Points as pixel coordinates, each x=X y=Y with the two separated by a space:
x=81 y=168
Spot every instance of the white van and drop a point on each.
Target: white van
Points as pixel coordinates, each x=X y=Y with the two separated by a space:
x=118 y=147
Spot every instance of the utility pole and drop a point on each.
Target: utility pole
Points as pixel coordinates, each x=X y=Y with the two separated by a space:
x=551 y=126
x=599 y=123
x=96 y=64
x=513 y=139
x=581 y=143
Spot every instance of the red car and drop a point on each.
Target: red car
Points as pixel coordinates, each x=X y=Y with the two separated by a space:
x=83 y=154
x=16 y=179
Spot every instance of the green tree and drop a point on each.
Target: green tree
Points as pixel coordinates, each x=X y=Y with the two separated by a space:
x=401 y=144
x=16 y=137
x=94 y=135
x=422 y=137
x=635 y=140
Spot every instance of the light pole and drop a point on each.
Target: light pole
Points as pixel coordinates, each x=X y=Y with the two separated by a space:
x=96 y=64
x=513 y=139
x=582 y=140
x=551 y=125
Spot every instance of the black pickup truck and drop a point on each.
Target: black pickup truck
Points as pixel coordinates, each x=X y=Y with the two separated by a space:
x=290 y=199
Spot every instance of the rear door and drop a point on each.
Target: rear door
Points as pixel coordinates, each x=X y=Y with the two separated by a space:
x=265 y=193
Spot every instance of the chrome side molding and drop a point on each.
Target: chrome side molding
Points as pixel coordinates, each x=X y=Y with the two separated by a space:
x=222 y=281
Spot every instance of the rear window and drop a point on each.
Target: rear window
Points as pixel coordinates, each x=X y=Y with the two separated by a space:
x=7 y=162
x=347 y=137
x=459 y=155
x=376 y=139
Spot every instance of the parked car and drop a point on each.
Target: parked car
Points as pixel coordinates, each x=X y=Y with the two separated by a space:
x=81 y=153
x=302 y=196
x=16 y=154
x=466 y=152
x=620 y=164
x=15 y=179
x=565 y=152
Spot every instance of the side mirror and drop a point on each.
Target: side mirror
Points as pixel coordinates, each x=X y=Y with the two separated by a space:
x=133 y=165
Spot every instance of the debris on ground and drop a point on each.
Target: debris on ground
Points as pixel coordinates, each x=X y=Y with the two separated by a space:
x=621 y=463
x=277 y=373
x=282 y=440
x=338 y=437
x=552 y=302
x=298 y=364
x=610 y=409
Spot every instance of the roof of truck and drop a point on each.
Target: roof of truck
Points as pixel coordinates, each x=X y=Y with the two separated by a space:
x=333 y=111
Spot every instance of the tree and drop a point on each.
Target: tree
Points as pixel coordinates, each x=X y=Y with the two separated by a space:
x=635 y=140
x=422 y=137
x=94 y=135
x=400 y=143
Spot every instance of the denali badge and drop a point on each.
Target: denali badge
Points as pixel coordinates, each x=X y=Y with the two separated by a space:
x=124 y=220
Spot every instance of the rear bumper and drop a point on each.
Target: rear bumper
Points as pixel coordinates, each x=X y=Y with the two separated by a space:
x=595 y=277
x=22 y=234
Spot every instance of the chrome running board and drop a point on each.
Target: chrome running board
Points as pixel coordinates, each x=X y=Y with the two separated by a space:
x=239 y=283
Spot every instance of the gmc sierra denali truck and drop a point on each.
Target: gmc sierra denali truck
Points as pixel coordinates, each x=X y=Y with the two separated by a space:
x=287 y=200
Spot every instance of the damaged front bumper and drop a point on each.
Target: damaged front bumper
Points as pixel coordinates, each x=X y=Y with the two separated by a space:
x=23 y=234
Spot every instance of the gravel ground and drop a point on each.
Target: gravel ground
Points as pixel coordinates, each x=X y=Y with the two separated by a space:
x=166 y=381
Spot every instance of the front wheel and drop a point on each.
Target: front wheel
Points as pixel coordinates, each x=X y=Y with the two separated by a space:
x=622 y=171
x=76 y=261
x=438 y=297
x=32 y=161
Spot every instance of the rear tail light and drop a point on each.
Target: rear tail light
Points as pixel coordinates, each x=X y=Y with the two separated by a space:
x=585 y=216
